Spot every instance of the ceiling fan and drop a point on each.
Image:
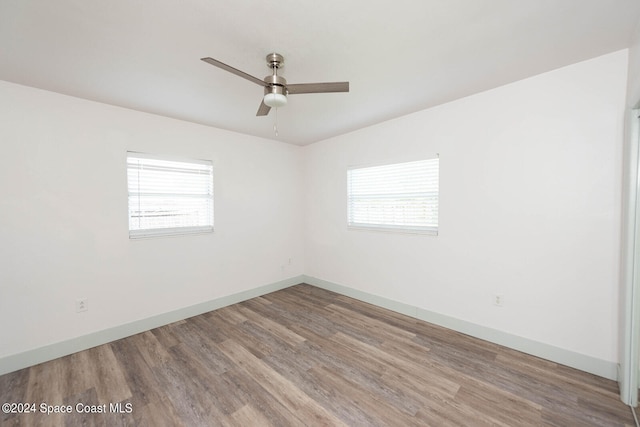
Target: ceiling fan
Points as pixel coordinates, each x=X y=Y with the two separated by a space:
x=276 y=88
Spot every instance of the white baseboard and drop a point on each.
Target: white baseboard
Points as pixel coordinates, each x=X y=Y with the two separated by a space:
x=559 y=355
x=28 y=358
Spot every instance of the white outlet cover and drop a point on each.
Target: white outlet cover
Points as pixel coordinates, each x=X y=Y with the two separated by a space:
x=82 y=305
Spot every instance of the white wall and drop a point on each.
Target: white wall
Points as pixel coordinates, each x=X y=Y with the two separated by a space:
x=633 y=88
x=63 y=218
x=529 y=208
x=629 y=301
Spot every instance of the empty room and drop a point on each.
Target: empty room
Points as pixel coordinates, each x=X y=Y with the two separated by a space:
x=260 y=213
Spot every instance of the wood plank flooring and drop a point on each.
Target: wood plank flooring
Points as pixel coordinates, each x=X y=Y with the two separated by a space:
x=307 y=356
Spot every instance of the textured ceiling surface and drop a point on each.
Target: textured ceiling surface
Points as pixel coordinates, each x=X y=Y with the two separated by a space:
x=399 y=57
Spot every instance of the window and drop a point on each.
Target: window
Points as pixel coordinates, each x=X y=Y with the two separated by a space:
x=401 y=197
x=169 y=197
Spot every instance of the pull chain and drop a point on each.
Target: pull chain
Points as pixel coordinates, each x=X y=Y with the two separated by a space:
x=275 y=125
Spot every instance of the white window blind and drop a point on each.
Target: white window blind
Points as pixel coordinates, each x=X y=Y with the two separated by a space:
x=168 y=197
x=401 y=196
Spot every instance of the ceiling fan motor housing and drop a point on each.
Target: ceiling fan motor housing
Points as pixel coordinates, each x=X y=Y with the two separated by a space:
x=275 y=84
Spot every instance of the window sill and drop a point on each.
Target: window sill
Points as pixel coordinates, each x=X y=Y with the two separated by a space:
x=168 y=232
x=428 y=232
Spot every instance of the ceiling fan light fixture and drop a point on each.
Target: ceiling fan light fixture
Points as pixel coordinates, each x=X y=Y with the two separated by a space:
x=275 y=100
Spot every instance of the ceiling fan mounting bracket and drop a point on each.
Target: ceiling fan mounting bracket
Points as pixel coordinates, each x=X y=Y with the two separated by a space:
x=275 y=61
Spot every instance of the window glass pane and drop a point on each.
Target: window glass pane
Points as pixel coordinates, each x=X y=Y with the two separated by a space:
x=169 y=197
x=402 y=196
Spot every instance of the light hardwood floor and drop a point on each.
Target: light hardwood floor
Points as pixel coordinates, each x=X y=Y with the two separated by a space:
x=307 y=356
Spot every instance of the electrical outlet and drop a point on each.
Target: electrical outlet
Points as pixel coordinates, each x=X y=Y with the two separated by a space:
x=498 y=300
x=82 y=304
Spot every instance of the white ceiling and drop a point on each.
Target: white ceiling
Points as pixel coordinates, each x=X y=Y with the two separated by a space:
x=399 y=57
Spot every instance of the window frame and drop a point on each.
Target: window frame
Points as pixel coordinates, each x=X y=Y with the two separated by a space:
x=391 y=227
x=142 y=233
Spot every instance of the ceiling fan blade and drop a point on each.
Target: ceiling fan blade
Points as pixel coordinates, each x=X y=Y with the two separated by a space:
x=318 y=87
x=235 y=71
x=263 y=109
